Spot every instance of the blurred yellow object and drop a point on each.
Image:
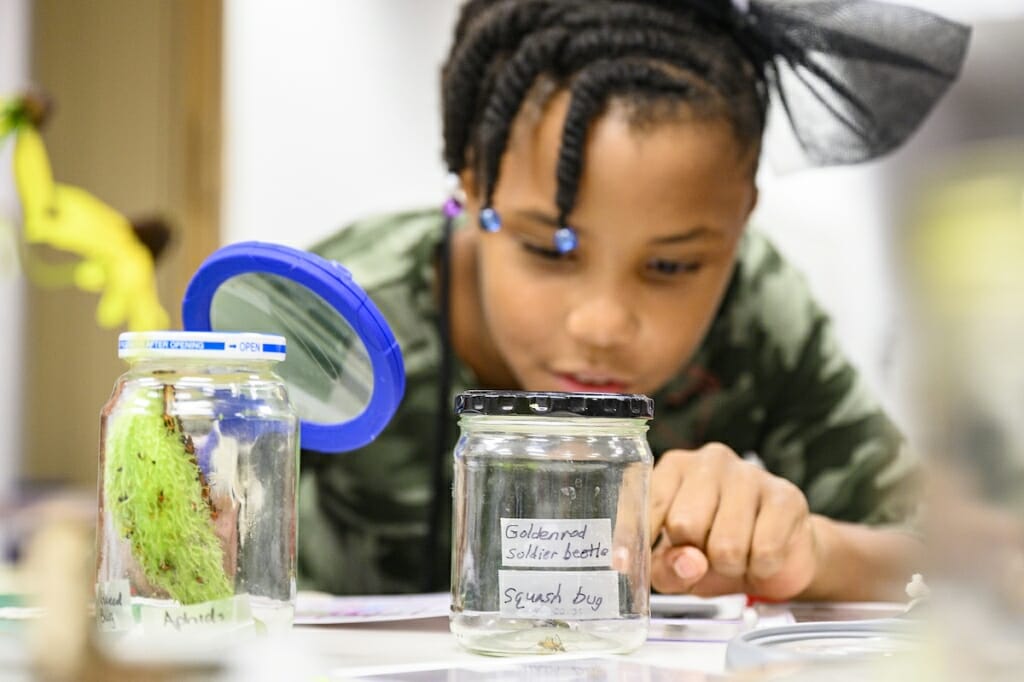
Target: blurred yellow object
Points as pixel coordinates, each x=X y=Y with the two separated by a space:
x=968 y=248
x=965 y=259
x=113 y=261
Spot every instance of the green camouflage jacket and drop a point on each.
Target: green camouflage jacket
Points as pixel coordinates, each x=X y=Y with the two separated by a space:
x=769 y=379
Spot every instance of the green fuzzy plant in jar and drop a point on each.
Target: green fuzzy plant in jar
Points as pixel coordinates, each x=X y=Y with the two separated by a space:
x=159 y=500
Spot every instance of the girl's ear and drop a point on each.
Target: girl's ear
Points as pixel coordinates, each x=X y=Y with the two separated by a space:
x=754 y=196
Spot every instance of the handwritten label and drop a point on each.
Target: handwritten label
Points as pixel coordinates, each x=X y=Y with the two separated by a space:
x=577 y=595
x=556 y=542
x=208 y=615
x=114 y=606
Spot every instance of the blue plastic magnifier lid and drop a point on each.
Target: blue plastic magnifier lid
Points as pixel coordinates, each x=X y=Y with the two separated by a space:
x=293 y=293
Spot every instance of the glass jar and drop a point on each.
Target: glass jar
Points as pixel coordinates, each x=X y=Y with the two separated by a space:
x=551 y=548
x=197 y=487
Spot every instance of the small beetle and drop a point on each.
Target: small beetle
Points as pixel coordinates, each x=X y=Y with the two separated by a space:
x=552 y=643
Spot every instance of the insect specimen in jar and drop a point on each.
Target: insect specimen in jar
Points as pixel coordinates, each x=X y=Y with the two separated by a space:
x=552 y=644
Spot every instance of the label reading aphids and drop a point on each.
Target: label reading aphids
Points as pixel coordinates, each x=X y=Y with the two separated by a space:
x=556 y=542
x=114 y=606
x=570 y=595
x=208 y=615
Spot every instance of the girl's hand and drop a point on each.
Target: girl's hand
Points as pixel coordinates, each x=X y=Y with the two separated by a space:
x=725 y=525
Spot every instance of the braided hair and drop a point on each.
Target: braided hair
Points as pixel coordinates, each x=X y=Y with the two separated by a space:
x=662 y=59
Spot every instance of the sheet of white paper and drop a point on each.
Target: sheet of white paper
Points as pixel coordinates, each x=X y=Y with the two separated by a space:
x=317 y=608
x=562 y=667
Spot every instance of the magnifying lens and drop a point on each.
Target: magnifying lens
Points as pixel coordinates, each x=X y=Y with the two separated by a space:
x=344 y=369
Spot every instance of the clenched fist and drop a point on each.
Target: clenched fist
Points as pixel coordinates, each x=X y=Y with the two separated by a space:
x=724 y=525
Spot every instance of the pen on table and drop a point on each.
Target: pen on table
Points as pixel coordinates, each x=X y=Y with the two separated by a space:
x=668 y=608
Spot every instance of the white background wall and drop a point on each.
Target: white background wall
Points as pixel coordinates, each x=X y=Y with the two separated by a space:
x=332 y=113
x=14 y=32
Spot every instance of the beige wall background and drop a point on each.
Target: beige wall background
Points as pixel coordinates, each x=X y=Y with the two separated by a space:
x=137 y=123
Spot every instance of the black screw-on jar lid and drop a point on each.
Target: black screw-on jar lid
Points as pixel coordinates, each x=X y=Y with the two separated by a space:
x=552 y=404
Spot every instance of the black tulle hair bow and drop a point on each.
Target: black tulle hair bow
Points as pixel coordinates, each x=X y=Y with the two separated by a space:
x=855 y=77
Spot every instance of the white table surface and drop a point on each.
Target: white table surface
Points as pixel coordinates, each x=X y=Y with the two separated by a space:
x=347 y=651
x=696 y=646
x=684 y=651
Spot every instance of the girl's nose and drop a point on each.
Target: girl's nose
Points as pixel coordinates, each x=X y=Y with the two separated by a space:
x=602 y=322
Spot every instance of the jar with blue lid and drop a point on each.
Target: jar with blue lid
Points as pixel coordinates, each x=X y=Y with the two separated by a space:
x=550 y=546
x=199 y=442
x=197 y=490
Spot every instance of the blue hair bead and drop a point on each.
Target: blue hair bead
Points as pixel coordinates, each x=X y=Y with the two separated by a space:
x=490 y=221
x=566 y=239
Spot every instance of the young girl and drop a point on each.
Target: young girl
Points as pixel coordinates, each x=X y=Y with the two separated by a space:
x=607 y=155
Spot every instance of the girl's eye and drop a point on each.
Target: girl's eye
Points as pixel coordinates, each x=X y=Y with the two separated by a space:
x=672 y=267
x=542 y=252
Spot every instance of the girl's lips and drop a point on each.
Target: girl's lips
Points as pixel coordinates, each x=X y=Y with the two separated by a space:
x=573 y=384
